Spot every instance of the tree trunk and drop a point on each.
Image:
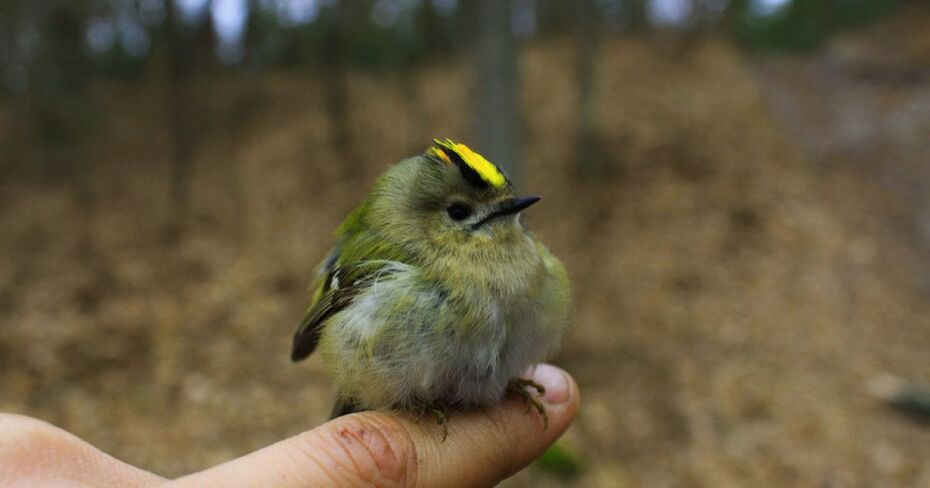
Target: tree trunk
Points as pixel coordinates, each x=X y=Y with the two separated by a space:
x=178 y=72
x=588 y=43
x=495 y=96
x=336 y=85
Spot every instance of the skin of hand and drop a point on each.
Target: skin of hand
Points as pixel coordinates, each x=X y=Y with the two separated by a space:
x=364 y=449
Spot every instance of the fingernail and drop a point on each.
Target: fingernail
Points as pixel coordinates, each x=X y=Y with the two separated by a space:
x=555 y=381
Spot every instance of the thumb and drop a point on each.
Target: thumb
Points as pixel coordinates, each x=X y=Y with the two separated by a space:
x=385 y=449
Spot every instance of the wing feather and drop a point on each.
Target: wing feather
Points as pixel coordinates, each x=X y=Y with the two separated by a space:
x=336 y=288
x=308 y=331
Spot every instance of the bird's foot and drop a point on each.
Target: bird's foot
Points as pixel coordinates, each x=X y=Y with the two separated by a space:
x=442 y=420
x=437 y=411
x=518 y=386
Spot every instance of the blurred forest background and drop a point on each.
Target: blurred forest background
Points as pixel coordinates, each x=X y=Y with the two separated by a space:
x=740 y=190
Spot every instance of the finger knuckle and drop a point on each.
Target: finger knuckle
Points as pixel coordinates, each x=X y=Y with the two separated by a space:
x=378 y=450
x=21 y=432
x=23 y=439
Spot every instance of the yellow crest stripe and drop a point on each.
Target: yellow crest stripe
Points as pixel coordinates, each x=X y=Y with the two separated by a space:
x=439 y=153
x=485 y=169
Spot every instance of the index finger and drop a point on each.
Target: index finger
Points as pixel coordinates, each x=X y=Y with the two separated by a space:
x=385 y=449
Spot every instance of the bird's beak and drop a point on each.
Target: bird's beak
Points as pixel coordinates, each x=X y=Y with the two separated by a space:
x=509 y=206
x=514 y=205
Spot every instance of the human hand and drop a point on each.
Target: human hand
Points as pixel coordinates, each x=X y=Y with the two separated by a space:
x=363 y=449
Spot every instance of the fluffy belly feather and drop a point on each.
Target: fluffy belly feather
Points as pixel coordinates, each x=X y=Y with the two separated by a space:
x=388 y=354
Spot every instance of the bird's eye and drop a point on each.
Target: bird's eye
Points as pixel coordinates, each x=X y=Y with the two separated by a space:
x=459 y=211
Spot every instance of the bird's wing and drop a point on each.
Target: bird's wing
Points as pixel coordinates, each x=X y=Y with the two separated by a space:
x=308 y=331
x=336 y=287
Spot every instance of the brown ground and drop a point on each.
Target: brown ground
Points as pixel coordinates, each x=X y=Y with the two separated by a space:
x=733 y=297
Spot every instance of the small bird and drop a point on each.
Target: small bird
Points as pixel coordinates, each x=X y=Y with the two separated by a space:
x=435 y=296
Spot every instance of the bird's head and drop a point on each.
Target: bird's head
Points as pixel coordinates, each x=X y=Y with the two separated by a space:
x=448 y=197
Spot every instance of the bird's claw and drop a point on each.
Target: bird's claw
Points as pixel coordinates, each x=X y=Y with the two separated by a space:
x=517 y=385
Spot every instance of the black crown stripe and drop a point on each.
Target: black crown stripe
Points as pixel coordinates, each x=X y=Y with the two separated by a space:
x=469 y=173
